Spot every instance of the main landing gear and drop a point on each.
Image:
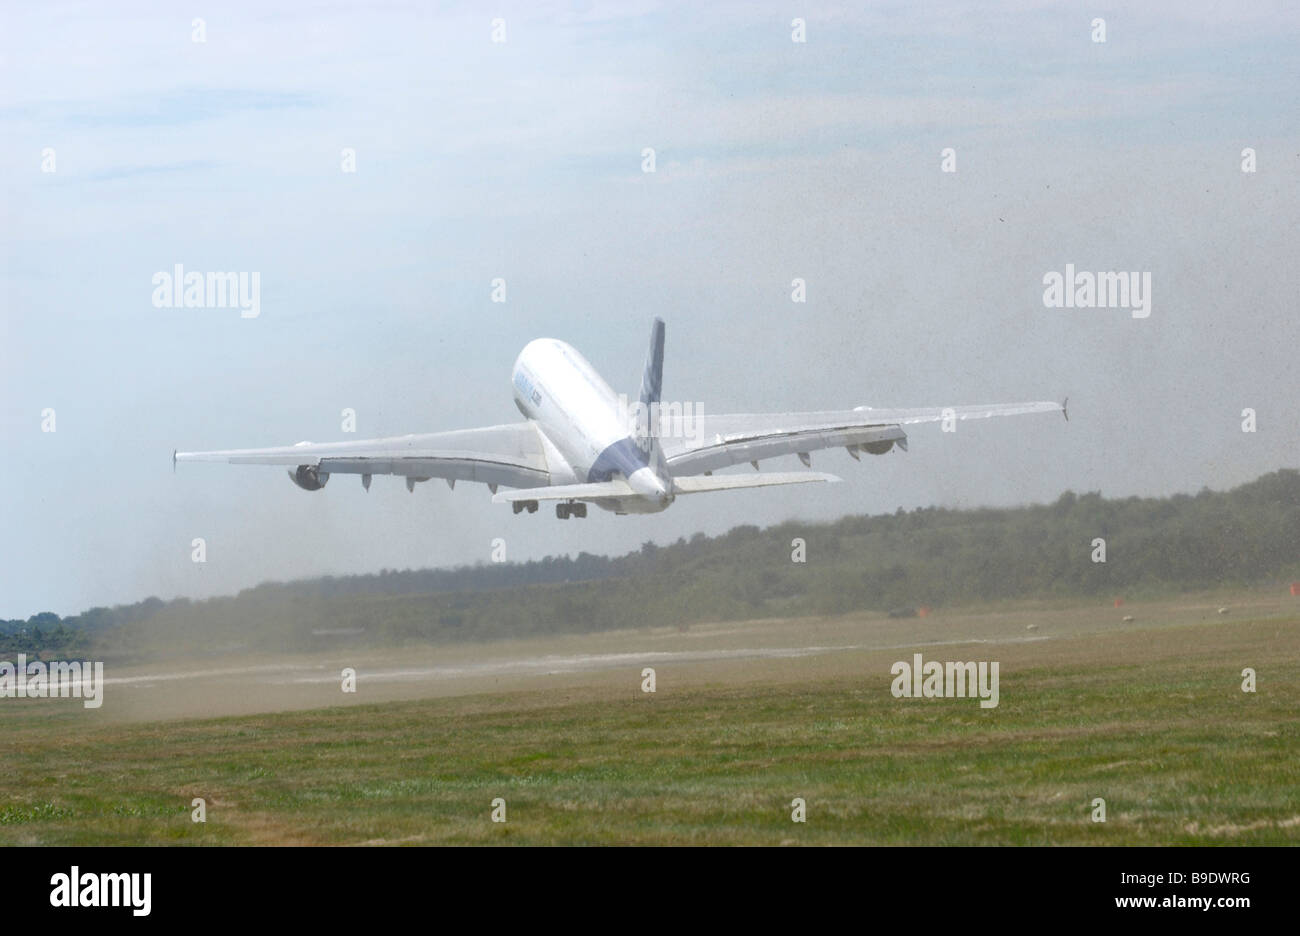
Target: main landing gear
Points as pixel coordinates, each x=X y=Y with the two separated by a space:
x=571 y=509
x=563 y=510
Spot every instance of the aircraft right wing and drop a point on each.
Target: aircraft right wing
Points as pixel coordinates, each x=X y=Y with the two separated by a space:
x=719 y=441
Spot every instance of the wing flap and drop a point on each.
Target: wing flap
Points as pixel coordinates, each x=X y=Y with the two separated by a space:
x=725 y=451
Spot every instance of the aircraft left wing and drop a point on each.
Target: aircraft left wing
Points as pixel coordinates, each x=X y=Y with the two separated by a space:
x=510 y=455
x=719 y=441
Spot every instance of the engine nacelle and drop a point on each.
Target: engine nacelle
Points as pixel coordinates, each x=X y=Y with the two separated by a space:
x=309 y=477
x=877 y=448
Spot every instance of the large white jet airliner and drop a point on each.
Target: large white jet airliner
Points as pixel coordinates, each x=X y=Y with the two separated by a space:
x=580 y=444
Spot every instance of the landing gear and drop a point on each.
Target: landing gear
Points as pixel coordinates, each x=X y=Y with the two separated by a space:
x=521 y=506
x=571 y=509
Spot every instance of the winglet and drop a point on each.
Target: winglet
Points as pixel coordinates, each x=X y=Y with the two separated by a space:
x=1065 y=408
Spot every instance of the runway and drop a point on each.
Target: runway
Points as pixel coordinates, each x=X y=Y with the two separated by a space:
x=730 y=651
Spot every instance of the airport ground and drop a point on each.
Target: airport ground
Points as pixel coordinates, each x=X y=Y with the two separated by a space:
x=1146 y=714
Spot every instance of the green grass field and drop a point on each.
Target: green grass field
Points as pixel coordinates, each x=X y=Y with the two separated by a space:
x=1152 y=720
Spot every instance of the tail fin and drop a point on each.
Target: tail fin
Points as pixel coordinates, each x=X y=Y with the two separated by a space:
x=652 y=383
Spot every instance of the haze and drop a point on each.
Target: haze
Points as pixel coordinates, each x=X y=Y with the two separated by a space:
x=523 y=160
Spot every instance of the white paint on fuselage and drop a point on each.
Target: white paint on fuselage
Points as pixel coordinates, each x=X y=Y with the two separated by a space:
x=578 y=415
x=571 y=403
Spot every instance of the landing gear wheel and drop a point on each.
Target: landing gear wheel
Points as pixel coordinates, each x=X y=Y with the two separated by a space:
x=562 y=511
x=579 y=510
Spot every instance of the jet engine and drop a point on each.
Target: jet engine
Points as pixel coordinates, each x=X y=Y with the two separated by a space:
x=877 y=448
x=309 y=477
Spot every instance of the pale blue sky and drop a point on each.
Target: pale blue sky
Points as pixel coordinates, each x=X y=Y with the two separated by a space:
x=522 y=160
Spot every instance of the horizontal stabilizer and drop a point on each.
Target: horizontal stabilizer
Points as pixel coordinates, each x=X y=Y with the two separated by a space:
x=698 y=484
x=583 y=492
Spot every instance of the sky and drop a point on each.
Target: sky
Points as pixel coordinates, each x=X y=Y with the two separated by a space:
x=523 y=160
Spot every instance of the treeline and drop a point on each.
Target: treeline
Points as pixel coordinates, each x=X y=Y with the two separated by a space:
x=44 y=634
x=930 y=556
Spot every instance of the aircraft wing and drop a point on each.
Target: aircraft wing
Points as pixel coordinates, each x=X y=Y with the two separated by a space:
x=719 y=441
x=510 y=455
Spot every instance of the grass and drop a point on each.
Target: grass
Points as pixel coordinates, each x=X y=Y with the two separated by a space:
x=1154 y=722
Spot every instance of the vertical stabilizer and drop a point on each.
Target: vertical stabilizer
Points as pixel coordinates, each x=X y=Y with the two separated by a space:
x=652 y=382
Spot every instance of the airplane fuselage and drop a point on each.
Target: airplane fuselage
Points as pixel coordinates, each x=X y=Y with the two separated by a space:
x=584 y=428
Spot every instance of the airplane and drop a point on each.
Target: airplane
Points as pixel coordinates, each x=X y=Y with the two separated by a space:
x=580 y=445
